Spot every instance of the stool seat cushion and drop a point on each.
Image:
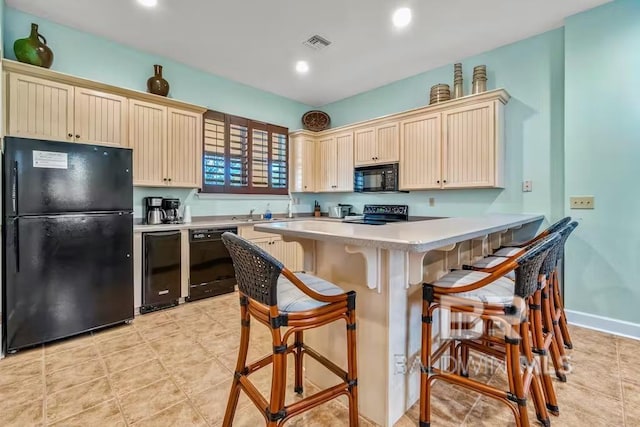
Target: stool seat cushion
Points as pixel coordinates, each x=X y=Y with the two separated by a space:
x=291 y=299
x=507 y=252
x=500 y=292
x=492 y=261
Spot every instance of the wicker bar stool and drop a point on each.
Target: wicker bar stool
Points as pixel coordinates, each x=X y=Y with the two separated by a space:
x=278 y=298
x=489 y=297
x=554 y=320
x=516 y=248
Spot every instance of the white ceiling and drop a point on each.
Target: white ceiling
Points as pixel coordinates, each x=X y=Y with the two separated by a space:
x=258 y=42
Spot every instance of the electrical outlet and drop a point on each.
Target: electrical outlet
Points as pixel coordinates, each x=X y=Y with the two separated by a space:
x=527 y=186
x=432 y=201
x=582 y=202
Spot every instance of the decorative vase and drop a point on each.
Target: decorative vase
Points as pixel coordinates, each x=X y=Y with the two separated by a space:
x=156 y=84
x=458 y=88
x=33 y=50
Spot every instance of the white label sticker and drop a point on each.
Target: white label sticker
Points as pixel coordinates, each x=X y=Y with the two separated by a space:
x=50 y=160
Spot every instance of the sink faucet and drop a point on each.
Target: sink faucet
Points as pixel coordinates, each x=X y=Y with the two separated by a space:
x=251 y=213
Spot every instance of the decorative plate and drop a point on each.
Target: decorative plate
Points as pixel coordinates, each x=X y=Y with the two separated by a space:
x=316 y=120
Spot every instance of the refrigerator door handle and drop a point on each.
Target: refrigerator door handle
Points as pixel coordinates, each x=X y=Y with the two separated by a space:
x=16 y=244
x=14 y=188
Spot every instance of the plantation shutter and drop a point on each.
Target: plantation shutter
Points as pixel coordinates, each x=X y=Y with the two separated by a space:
x=238 y=152
x=214 y=162
x=279 y=149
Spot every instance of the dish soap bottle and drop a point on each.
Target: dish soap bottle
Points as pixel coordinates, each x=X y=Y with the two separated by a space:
x=267 y=213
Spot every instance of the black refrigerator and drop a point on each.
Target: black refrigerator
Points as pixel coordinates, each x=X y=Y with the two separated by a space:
x=67 y=263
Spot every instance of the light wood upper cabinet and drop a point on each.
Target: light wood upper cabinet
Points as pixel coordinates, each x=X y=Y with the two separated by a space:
x=365 y=146
x=344 y=162
x=421 y=153
x=335 y=163
x=39 y=108
x=377 y=145
x=303 y=170
x=184 y=149
x=148 y=138
x=100 y=118
x=469 y=147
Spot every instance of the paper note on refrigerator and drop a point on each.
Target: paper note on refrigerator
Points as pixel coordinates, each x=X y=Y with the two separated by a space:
x=50 y=160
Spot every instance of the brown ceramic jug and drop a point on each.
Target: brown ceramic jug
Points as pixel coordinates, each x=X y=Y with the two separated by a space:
x=156 y=84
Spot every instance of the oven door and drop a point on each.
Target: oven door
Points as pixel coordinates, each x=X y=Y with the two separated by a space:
x=372 y=179
x=211 y=269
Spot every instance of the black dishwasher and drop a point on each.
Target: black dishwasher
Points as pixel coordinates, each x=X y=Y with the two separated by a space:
x=161 y=272
x=211 y=270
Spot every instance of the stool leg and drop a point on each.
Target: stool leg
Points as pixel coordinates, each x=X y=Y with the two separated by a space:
x=352 y=369
x=535 y=385
x=559 y=305
x=547 y=326
x=425 y=362
x=539 y=340
x=552 y=294
x=241 y=364
x=299 y=380
x=512 y=356
x=278 y=377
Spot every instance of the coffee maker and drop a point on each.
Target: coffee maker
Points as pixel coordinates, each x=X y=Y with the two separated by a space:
x=171 y=208
x=152 y=207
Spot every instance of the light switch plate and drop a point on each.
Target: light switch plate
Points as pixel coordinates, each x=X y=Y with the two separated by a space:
x=582 y=202
x=527 y=186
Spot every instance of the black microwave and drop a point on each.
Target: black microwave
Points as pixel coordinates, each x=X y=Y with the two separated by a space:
x=376 y=178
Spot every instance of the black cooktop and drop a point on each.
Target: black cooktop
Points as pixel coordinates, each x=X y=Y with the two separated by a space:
x=387 y=214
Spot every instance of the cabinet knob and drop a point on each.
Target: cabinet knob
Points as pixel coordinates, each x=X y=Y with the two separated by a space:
x=164 y=179
x=77 y=136
x=438 y=182
x=70 y=135
x=445 y=181
x=170 y=180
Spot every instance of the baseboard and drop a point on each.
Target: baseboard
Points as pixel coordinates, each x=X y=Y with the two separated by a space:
x=604 y=324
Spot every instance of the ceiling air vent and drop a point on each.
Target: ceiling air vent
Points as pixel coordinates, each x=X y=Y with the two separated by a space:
x=316 y=42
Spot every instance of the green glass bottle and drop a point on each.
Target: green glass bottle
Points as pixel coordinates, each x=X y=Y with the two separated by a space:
x=33 y=49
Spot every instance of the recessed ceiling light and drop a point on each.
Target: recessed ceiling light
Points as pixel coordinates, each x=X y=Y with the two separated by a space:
x=148 y=3
x=302 y=67
x=402 y=17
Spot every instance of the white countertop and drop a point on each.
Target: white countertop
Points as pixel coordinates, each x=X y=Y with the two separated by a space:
x=419 y=236
x=210 y=223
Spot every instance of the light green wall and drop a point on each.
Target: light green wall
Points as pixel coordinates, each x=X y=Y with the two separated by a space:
x=85 y=55
x=533 y=129
x=602 y=154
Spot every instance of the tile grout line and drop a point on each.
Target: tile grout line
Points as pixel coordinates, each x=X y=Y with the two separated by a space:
x=187 y=397
x=106 y=370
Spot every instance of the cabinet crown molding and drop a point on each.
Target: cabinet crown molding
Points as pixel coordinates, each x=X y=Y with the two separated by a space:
x=497 y=94
x=56 y=76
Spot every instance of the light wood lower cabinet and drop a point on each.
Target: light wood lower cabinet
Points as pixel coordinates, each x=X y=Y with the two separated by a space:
x=167 y=145
x=288 y=253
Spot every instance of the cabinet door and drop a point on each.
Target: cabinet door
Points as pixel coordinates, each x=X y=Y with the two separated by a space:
x=291 y=253
x=365 y=147
x=421 y=153
x=148 y=138
x=100 y=118
x=39 y=109
x=469 y=146
x=326 y=172
x=302 y=164
x=344 y=162
x=184 y=149
x=387 y=143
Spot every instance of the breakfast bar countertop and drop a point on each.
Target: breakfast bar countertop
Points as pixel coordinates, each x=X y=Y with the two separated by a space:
x=419 y=236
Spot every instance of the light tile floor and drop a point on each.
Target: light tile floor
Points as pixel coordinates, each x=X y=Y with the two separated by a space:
x=174 y=368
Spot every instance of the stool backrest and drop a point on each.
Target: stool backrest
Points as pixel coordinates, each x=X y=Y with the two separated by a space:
x=554 y=228
x=529 y=264
x=257 y=272
x=555 y=254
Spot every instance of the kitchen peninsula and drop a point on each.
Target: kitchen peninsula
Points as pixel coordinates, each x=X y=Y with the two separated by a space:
x=383 y=263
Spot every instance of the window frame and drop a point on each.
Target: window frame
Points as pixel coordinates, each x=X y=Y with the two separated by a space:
x=250 y=126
